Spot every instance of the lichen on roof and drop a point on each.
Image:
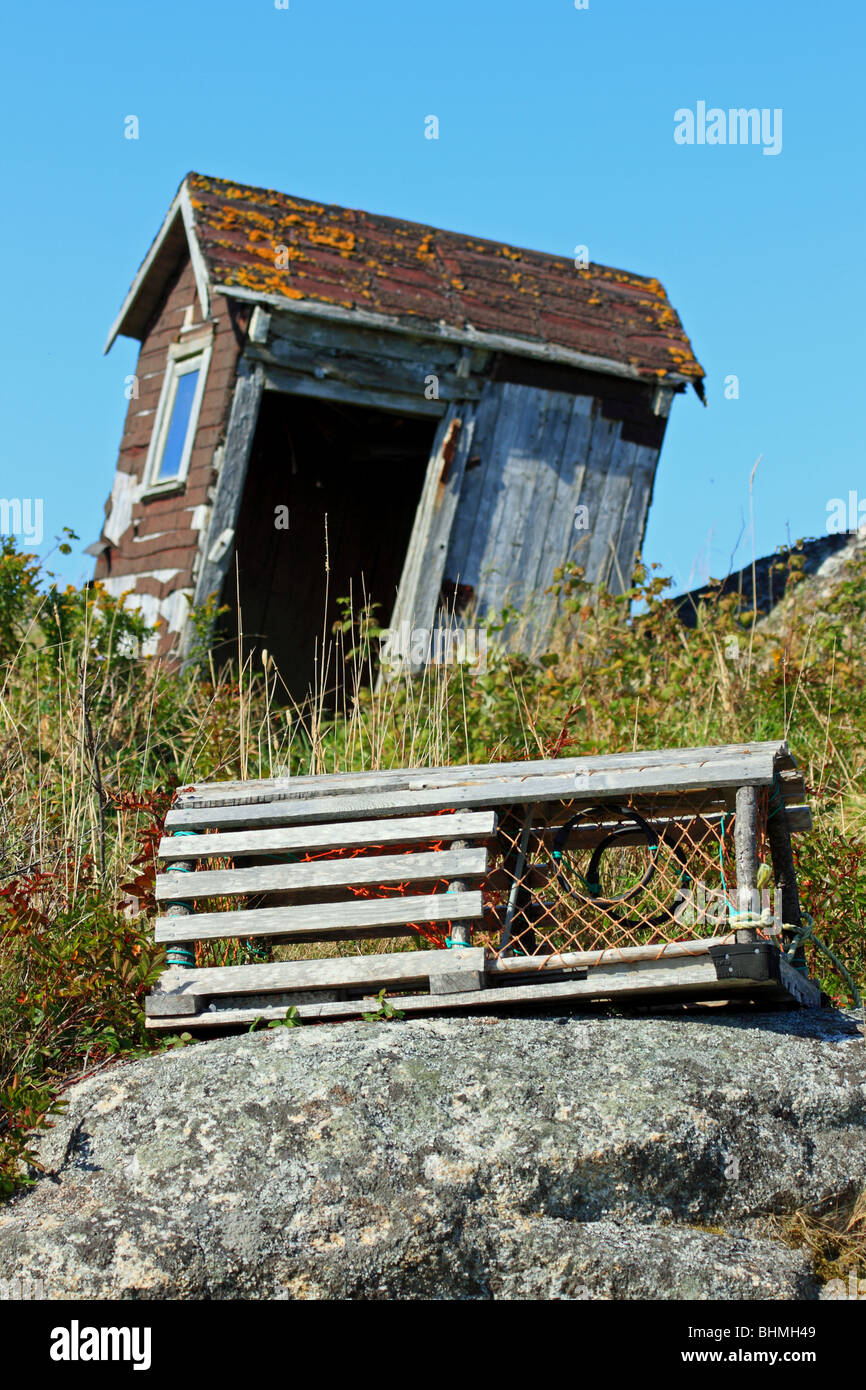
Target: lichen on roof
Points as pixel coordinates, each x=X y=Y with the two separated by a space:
x=425 y=275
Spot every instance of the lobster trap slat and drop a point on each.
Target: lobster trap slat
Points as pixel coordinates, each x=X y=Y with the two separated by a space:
x=653 y=874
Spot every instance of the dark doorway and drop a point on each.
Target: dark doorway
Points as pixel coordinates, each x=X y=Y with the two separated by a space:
x=361 y=469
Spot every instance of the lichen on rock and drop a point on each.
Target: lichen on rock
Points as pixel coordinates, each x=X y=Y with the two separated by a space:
x=566 y=1157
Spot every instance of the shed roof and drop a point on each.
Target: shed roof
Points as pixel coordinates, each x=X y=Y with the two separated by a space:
x=346 y=263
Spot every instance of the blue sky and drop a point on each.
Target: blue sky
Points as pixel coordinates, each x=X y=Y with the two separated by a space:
x=556 y=129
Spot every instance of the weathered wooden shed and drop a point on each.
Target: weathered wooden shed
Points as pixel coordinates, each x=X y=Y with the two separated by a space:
x=467 y=415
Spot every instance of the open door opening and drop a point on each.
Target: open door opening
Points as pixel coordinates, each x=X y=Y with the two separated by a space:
x=328 y=485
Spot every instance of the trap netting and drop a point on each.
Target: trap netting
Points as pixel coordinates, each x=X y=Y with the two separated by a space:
x=580 y=876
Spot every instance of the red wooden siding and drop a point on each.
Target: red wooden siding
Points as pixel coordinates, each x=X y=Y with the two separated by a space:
x=160 y=536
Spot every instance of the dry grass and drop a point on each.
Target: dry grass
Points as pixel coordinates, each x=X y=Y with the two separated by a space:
x=835 y=1240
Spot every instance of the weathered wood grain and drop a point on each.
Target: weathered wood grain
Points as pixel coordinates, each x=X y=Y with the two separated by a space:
x=314 y=839
x=277 y=379
x=230 y=484
x=602 y=443
x=681 y=978
x=629 y=541
x=324 y=921
x=601 y=560
x=398 y=969
x=370 y=371
x=599 y=785
x=680 y=818
x=324 y=873
x=338 y=783
x=421 y=578
x=470 y=337
x=746 y=848
x=611 y=955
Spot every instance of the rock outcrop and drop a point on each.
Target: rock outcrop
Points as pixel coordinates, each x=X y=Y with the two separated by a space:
x=524 y=1157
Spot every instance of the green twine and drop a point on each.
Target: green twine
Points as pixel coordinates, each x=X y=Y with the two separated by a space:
x=728 y=904
x=777 y=800
x=182 y=953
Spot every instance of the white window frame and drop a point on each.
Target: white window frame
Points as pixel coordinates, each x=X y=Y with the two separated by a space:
x=182 y=358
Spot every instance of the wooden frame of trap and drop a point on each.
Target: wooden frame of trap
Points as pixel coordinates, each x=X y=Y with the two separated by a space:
x=279 y=834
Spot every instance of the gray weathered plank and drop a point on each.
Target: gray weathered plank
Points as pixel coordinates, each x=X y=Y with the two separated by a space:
x=230 y=484
x=674 y=978
x=561 y=524
x=323 y=873
x=399 y=968
x=323 y=921
x=680 y=818
x=421 y=578
x=288 y=383
x=338 y=783
x=740 y=771
x=373 y=372
x=528 y=463
x=629 y=541
x=601 y=558
x=599 y=456
x=477 y=466
x=508 y=483
x=366 y=341
x=467 y=825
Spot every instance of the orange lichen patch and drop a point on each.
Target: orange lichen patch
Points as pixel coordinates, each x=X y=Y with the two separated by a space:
x=510 y=253
x=424 y=253
x=331 y=236
x=457 y=284
x=637 y=282
x=685 y=360
x=302 y=207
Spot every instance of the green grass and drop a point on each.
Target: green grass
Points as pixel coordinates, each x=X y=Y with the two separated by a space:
x=94 y=740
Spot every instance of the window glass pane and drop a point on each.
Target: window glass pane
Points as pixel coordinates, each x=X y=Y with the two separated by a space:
x=178 y=425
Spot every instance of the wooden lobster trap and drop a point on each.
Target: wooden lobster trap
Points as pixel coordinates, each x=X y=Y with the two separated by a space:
x=663 y=874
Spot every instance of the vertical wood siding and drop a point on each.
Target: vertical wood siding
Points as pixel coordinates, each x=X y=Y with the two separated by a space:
x=537 y=456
